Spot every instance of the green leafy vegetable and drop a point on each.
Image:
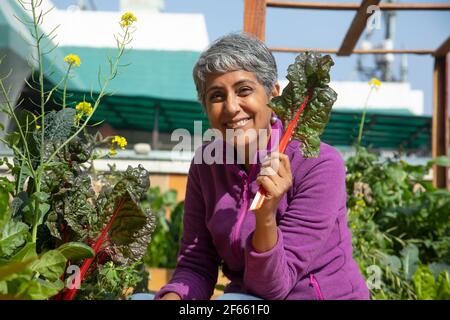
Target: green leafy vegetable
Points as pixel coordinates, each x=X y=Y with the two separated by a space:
x=308 y=75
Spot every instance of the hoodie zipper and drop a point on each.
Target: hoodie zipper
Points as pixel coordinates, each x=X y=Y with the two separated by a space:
x=241 y=216
x=313 y=282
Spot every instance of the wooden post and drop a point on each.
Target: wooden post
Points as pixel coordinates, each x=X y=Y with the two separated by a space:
x=255 y=18
x=357 y=27
x=440 y=130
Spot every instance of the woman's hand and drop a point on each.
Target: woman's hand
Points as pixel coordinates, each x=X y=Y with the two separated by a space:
x=276 y=178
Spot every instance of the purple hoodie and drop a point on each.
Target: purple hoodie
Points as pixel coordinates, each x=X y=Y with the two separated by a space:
x=313 y=256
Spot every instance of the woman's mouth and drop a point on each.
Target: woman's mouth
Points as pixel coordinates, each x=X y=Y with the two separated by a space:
x=238 y=123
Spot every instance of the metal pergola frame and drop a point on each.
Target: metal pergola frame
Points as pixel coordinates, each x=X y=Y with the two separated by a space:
x=255 y=24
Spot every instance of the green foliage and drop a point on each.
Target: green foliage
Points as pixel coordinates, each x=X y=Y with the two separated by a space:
x=13 y=235
x=27 y=275
x=6 y=187
x=111 y=281
x=400 y=223
x=164 y=248
x=76 y=251
x=430 y=288
x=310 y=73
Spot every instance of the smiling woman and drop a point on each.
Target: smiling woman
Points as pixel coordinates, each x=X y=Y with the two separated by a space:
x=236 y=105
x=236 y=88
x=297 y=244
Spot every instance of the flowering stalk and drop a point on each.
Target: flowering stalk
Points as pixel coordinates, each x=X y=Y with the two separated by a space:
x=72 y=60
x=374 y=84
x=126 y=23
x=38 y=38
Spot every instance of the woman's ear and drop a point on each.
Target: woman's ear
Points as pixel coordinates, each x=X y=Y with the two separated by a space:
x=276 y=90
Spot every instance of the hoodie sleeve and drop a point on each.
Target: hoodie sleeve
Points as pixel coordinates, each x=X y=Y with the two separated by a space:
x=197 y=266
x=318 y=196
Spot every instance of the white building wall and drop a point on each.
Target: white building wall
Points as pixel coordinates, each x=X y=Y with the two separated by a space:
x=390 y=96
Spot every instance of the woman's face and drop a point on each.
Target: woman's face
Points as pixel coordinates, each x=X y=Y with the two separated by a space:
x=236 y=102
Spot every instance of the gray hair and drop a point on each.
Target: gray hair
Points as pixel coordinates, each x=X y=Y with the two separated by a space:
x=236 y=51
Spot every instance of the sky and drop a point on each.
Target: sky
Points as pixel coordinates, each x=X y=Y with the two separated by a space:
x=320 y=29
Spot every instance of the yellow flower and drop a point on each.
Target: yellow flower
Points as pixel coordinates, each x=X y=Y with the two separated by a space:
x=112 y=152
x=120 y=141
x=35 y=121
x=84 y=107
x=374 y=82
x=127 y=19
x=73 y=59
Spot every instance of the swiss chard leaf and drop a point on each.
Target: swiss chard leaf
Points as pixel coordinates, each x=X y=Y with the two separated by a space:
x=309 y=74
x=131 y=230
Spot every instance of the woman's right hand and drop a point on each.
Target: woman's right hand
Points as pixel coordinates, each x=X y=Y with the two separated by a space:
x=170 y=296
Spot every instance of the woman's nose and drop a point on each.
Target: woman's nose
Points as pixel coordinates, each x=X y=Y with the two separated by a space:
x=232 y=104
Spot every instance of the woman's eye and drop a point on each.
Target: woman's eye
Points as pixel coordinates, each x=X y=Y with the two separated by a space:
x=245 y=91
x=214 y=97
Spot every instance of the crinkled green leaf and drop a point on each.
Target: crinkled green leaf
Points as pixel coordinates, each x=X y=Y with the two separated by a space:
x=128 y=253
x=309 y=73
x=132 y=228
x=72 y=206
x=59 y=125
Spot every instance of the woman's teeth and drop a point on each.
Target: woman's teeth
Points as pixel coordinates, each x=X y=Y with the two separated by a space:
x=236 y=125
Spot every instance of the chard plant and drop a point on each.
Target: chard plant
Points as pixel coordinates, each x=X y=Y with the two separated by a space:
x=53 y=214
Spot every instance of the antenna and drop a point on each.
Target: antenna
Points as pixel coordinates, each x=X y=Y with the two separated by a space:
x=383 y=68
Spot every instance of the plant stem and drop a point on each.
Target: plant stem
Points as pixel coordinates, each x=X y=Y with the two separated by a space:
x=361 y=125
x=41 y=76
x=22 y=135
x=65 y=86
x=35 y=222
